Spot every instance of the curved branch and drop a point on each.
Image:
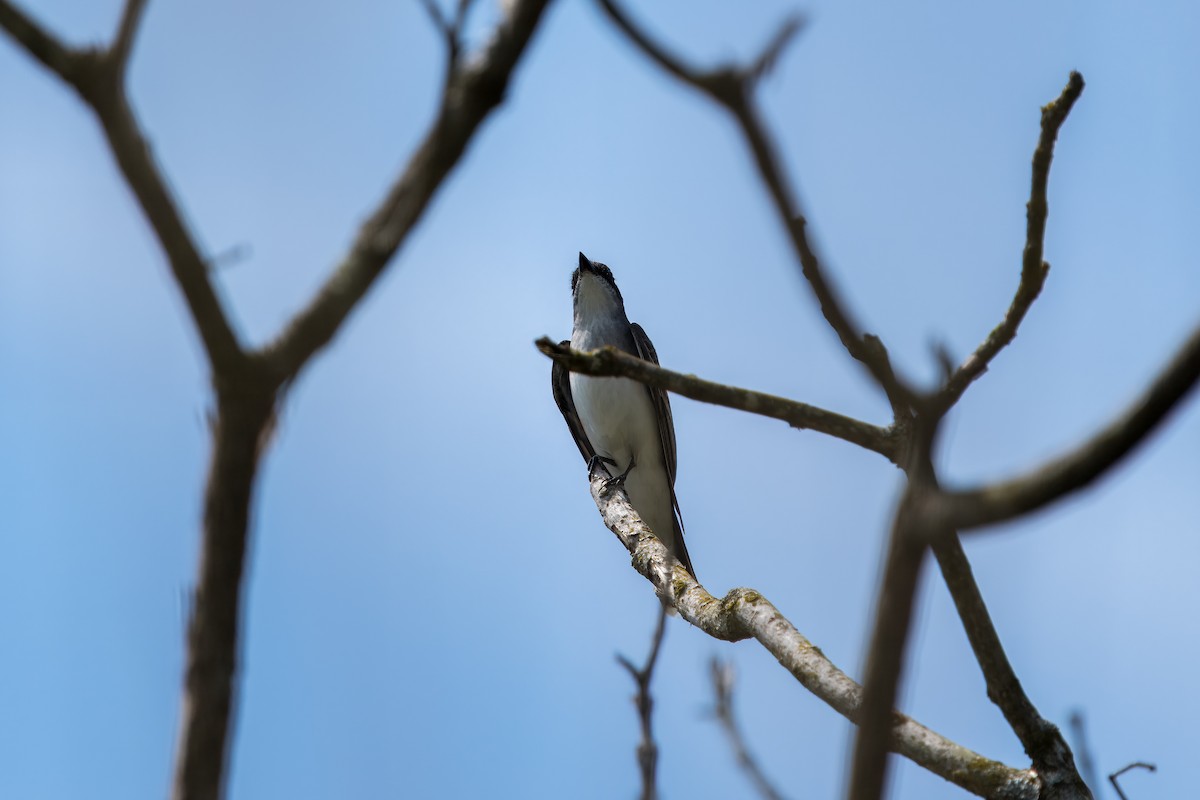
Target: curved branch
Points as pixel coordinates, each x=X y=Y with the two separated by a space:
x=1033 y=268
x=1135 y=765
x=744 y=614
x=988 y=505
x=609 y=361
x=470 y=94
x=733 y=89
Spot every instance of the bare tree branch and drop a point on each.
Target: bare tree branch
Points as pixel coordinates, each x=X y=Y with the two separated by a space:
x=889 y=631
x=1042 y=740
x=647 y=750
x=1087 y=765
x=1003 y=687
x=469 y=96
x=722 y=680
x=40 y=44
x=1033 y=268
x=608 y=361
x=733 y=89
x=89 y=73
x=997 y=502
x=1135 y=765
x=245 y=416
x=450 y=29
x=744 y=613
x=249 y=385
x=142 y=173
x=122 y=46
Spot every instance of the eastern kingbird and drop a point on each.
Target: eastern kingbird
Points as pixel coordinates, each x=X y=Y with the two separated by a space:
x=618 y=421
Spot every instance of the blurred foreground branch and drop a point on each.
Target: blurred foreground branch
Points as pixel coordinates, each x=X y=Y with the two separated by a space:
x=250 y=384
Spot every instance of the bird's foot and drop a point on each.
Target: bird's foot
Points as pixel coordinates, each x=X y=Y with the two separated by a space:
x=618 y=482
x=597 y=463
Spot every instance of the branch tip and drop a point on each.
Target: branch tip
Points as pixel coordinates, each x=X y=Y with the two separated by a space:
x=122 y=46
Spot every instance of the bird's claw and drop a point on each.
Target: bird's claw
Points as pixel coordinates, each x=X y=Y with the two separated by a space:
x=597 y=462
x=612 y=484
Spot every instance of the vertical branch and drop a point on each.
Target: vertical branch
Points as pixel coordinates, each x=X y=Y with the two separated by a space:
x=647 y=750
x=1087 y=765
x=885 y=655
x=244 y=418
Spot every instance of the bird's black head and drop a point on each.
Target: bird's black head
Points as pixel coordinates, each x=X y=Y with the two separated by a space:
x=600 y=271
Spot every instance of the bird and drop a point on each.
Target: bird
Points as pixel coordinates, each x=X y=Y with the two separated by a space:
x=617 y=421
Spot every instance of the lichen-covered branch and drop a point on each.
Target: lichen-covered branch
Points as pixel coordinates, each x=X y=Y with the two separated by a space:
x=745 y=614
x=1033 y=268
x=612 y=362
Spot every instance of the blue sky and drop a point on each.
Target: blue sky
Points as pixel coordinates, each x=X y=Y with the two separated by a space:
x=433 y=602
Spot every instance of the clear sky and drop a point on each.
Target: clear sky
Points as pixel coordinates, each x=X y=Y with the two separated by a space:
x=433 y=602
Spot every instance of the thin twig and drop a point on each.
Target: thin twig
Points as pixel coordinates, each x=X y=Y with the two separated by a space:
x=647 y=750
x=1087 y=764
x=745 y=613
x=470 y=94
x=1033 y=268
x=93 y=78
x=733 y=88
x=722 y=681
x=1135 y=765
x=1004 y=500
x=122 y=46
x=612 y=362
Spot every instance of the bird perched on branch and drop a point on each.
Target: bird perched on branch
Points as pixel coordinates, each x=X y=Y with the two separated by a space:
x=619 y=422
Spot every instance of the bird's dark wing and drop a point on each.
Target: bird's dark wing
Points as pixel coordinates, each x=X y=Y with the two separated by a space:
x=666 y=435
x=560 y=381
